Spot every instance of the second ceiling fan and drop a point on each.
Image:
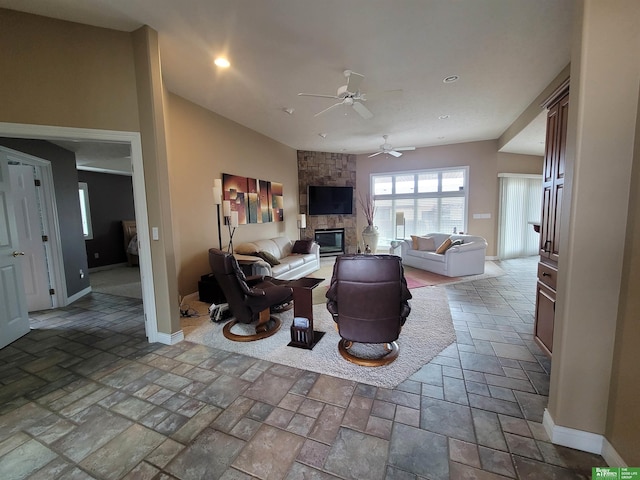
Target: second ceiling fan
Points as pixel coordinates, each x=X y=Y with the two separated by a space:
x=388 y=148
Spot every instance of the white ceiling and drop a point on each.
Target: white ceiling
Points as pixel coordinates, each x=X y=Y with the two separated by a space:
x=505 y=52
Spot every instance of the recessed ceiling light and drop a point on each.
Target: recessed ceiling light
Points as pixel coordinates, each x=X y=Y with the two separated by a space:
x=222 y=62
x=451 y=79
x=443 y=117
x=323 y=135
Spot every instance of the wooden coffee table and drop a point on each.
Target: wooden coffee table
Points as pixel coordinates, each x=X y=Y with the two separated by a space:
x=304 y=337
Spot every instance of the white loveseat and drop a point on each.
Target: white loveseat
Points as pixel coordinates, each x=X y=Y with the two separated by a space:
x=291 y=266
x=459 y=260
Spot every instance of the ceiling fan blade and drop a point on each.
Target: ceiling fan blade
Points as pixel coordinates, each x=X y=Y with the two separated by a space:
x=353 y=84
x=362 y=110
x=394 y=153
x=374 y=154
x=404 y=149
x=316 y=95
x=327 y=109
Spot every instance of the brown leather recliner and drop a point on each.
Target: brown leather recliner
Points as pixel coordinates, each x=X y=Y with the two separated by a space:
x=369 y=300
x=249 y=298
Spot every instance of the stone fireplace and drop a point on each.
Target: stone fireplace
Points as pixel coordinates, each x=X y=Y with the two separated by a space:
x=335 y=169
x=331 y=241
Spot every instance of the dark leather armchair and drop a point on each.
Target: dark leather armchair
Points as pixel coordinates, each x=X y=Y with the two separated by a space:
x=250 y=298
x=369 y=300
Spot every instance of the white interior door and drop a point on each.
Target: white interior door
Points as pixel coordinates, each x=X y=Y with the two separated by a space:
x=30 y=237
x=14 y=319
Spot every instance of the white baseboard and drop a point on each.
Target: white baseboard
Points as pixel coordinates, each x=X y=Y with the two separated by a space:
x=580 y=440
x=77 y=296
x=610 y=455
x=170 y=338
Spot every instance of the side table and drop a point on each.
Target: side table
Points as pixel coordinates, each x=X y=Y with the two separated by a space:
x=304 y=336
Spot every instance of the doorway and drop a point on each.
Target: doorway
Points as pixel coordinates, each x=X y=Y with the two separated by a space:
x=50 y=133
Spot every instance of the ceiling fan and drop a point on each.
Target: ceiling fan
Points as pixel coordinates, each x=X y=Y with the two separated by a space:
x=348 y=94
x=387 y=148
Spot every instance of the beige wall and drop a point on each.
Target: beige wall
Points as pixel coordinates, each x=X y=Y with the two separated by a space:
x=152 y=98
x=623 y=419
x=522 y=164
x=70 y=75
x=66 y=74
x=600 y=143
x=484 y=163
x=203 y=146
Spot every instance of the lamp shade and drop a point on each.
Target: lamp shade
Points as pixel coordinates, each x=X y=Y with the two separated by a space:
x=226 y=208
x=217 y=195
x=234 y=219
x=399 y=218
x=302 y=221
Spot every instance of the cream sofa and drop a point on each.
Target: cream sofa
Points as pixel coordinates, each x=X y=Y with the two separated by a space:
x=459 y=260
x=292 y=265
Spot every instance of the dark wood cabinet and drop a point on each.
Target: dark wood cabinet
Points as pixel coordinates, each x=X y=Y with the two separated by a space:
x=552 y=194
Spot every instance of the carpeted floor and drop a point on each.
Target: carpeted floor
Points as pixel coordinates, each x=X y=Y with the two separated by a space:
x=426 y=333
x=123 y=281
x=415 y=277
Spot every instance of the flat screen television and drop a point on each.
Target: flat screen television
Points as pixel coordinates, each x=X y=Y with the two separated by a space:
x=326 y=200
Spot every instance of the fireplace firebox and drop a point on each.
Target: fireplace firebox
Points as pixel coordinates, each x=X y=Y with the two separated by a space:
x=331 y=241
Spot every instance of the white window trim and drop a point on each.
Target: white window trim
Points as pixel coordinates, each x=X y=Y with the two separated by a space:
x=425 y=194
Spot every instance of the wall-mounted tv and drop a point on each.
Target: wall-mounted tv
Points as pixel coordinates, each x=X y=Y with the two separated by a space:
x=326 y=200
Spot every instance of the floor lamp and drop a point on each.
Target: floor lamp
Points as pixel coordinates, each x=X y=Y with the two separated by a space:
x=400 y=221
x=302 y=223
x=217 y=200
x=231 y=220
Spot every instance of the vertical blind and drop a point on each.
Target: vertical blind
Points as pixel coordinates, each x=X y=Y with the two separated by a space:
x=520 y=203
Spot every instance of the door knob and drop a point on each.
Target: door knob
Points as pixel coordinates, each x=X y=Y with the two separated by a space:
x=17 y=254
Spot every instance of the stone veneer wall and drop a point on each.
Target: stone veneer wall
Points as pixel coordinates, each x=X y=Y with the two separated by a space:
x=334 y=169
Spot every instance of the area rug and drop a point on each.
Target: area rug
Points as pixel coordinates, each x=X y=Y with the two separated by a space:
x=415 y=277
x=427 y=331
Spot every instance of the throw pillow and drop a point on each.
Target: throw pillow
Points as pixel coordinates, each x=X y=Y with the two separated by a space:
x=414 y=241
x=269 y=258
x=444 y=246
x=302 y=246
x=426 y=244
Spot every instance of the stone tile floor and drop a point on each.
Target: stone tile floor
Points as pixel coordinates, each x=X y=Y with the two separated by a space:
x=83 y=396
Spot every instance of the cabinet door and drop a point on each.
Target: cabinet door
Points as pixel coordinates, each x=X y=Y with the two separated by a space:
x=554 y=250
x=546 y=220
x=545 y=317
x=558 y=177
x=548 y=176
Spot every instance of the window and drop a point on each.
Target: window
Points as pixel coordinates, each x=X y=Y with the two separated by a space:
x=85 y=211
x=431 y=201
